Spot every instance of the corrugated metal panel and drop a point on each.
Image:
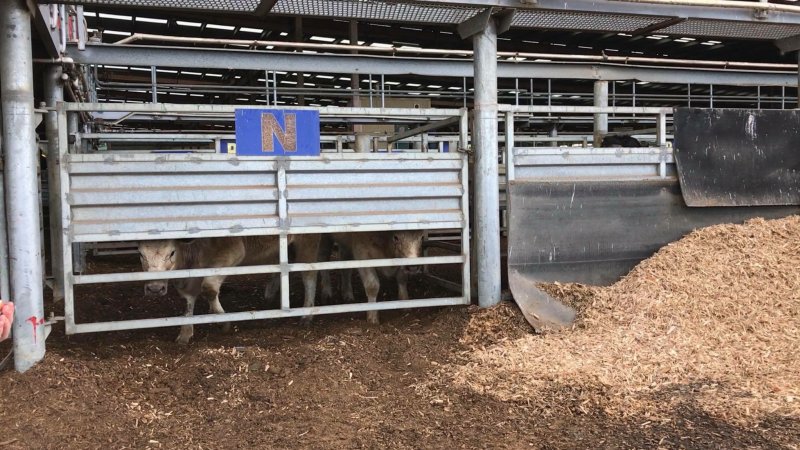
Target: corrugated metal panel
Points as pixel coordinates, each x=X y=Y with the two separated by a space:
x=574 y=20
x=376 y=10
x=732 y=29
x=137 y=196
x=599 y=163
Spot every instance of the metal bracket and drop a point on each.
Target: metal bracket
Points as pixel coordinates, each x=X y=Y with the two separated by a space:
x=477 y=23
x=789 y=44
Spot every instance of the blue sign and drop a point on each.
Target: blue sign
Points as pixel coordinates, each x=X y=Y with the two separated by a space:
x=277 y=132
x=227 y=146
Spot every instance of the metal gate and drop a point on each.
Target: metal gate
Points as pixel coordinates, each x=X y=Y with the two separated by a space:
x=134 y=196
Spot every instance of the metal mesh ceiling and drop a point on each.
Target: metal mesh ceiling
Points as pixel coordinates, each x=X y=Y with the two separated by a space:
x=571 y=20
x=448 y=14
x=212 y=5
x=376 y=10
x=731 y=29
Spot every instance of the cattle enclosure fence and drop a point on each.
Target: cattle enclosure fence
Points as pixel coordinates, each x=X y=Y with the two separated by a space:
x=108 y=197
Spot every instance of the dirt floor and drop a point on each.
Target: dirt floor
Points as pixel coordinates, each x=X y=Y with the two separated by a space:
x=336 y=384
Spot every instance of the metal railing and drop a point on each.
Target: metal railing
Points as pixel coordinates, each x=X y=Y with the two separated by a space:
x=544 y=162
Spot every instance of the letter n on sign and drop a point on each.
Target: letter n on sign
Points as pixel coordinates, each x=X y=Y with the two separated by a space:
x=277 y=132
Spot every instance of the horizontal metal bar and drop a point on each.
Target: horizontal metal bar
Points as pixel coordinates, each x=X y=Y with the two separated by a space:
x=585 y=109
x=425 y=128
x=310 y=229
x=266 y=314
x=451 y=67
x=570 y=151
x=333 y=111
x=271 y=268
x=587 y=160
x=447 y=284
x=156 y=137
x=234 y=160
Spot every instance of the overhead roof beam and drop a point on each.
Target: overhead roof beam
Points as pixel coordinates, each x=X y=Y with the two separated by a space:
x=264 y=7
x=185 y=57
x=746 y=13
x=789 y=44
x=658 y=26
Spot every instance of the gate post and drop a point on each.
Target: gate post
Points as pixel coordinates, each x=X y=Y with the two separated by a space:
x=487 y=191
x=54 y=93
x=22 y=191
x=600 y=120
x=5 y=288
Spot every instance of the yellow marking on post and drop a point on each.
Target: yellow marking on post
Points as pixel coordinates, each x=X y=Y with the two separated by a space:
x=231 y=148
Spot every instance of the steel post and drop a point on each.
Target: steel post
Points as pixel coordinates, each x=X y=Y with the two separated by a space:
x=54 y=93
x=353 y=35
x=600 y=120
x=301 y=79
x=487 y=196
x=16 y=91
x=78 y=249
x=5 y=290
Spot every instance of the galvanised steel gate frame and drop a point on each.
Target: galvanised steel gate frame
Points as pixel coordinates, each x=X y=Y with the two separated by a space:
x=123 y=197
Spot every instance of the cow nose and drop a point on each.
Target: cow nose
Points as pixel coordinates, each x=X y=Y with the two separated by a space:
x=155 y=289
x=413 y=270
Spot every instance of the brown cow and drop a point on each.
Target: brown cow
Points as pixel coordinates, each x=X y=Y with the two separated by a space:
x=162 y=255
x=373 y=245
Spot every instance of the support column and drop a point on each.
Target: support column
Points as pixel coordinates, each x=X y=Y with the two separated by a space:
x=487 y=192
x=600 y=120
x=5 y=288
x=54 y=93
x=798 y=79
x=78 y=248
x=16 y=92
x=301 y=79
x=354 y=76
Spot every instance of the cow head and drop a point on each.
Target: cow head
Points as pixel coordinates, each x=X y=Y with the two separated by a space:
x=408 y=244
x=157 y=256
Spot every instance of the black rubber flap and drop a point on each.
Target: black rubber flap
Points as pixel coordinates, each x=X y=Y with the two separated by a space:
x=738 y=157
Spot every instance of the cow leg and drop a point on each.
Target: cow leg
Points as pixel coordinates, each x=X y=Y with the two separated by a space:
x=190 y=293
x=347 y=276
x=272 y=288
x=213 y=284
x=347 y=285
x=372 y=285
x=402 y=284
x=307 y=249
x=310 y=285
x=324 y=255
x=325 y=281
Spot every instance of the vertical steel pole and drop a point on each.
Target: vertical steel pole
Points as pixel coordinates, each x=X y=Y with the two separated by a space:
x=798 y=80
x=487 y=193
x=154 y=84
x=301 y=79
x=22 y=192
x=354 y=76
x=78 y=248
x=54 y=93
x=600 y=120
x=710 y=95
x=5 y=288
x=266 y=85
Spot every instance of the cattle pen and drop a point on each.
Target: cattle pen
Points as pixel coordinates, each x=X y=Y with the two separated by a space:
x=576 y=213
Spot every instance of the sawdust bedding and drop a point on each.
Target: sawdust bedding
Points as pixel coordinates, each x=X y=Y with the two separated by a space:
x=711 y=321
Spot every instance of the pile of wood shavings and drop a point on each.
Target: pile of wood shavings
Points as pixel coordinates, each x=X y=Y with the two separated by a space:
x=711 y=321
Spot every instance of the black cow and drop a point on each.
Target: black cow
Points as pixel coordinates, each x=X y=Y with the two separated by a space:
x=620 y=140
